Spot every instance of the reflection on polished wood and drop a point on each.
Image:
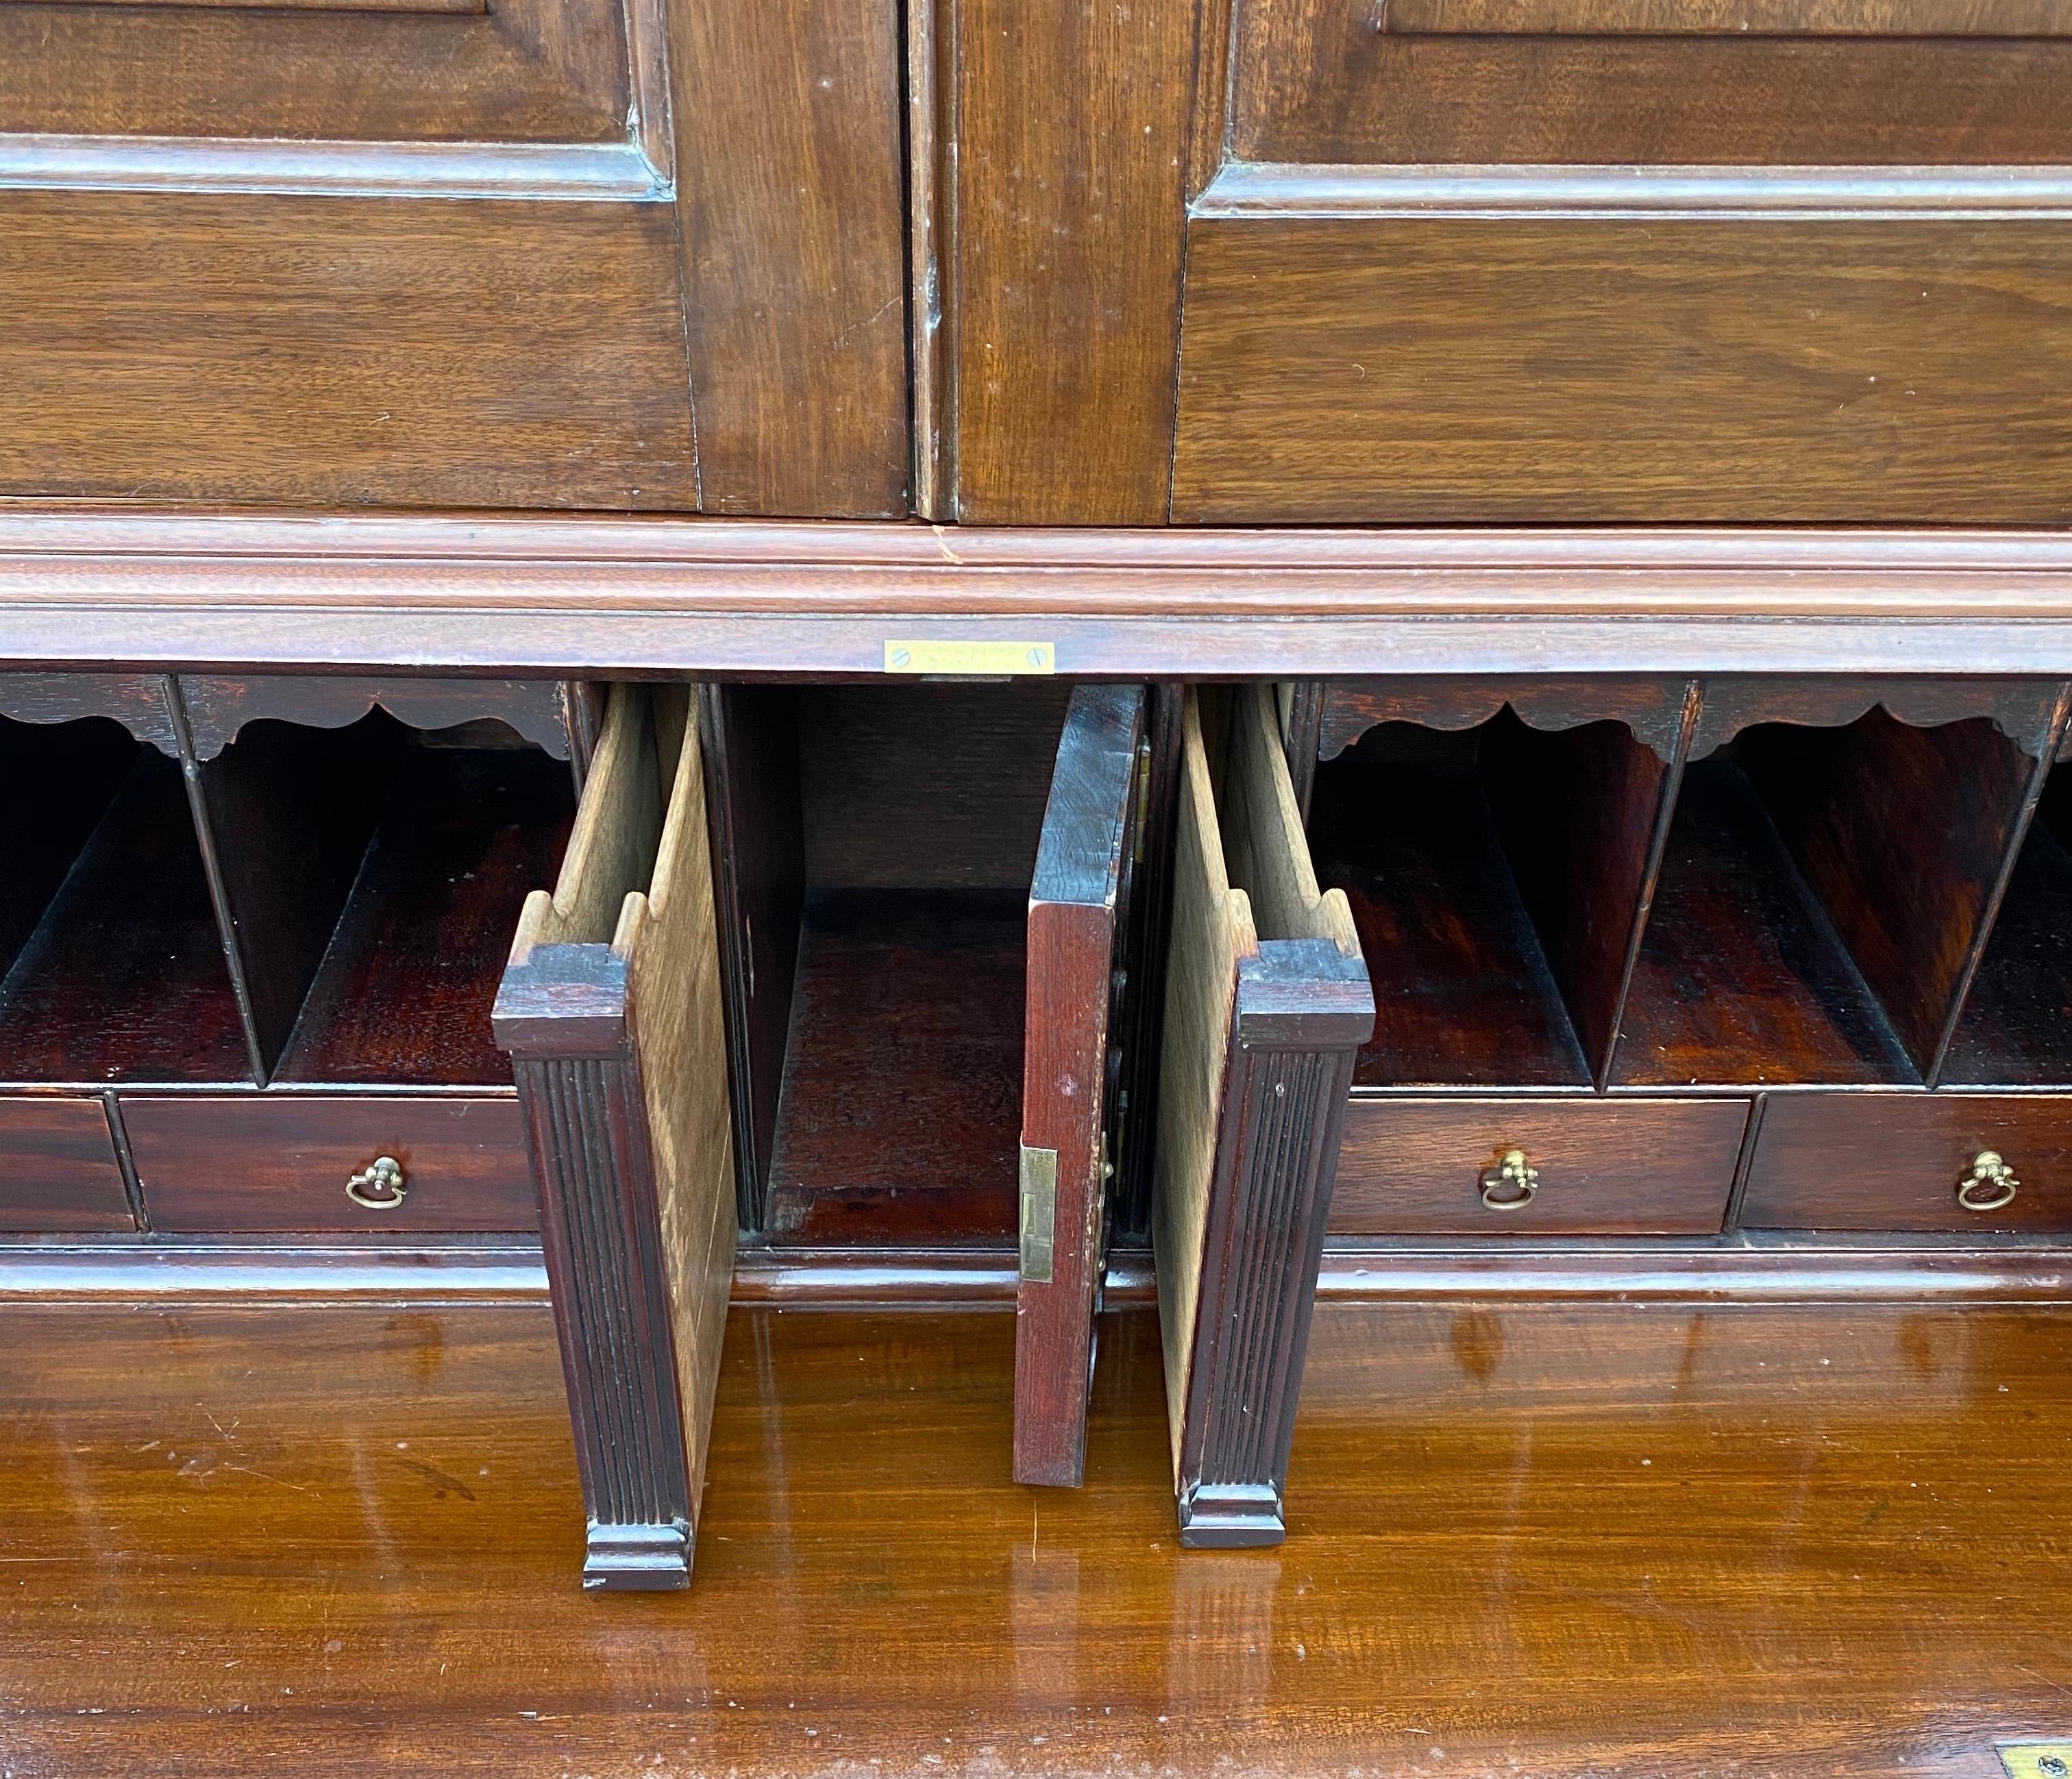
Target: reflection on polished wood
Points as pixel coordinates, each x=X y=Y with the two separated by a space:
x=1549 y=1539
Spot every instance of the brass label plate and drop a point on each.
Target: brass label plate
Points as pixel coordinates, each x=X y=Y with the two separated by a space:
x=1039 y=1214
x=969 y=660
x=2037 y=1759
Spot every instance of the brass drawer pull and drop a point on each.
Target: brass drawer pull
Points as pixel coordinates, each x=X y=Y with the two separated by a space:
x=1990 y=1185
x=380 y=1185
x=1510 y=1186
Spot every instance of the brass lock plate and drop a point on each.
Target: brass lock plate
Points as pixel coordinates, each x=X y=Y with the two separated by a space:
x=2037 y=1759
x=1039 y=1214
x=960 y=658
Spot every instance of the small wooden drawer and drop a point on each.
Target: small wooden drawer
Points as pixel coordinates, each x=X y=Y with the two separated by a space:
x=1598 y=1167
x=1898 y=1161
x=58 y=1170
x=241 y=1163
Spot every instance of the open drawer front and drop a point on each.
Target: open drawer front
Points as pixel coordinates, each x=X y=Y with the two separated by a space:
x=1267 y=1003
x=610 y=1008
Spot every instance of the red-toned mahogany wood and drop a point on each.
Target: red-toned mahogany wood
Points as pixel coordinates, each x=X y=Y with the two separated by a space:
x=513 y=596
x=1606 y=1166
x=1895 y=1161
x=58 y=1166
x=218 y=707
x=248 y=1163
x=1072 y=1071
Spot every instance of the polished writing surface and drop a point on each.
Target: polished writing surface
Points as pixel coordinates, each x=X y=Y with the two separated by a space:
x=1670 y=1541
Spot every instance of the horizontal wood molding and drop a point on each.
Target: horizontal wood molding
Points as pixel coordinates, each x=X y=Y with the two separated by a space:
x=571 y=596
x=1308 y=190
x=540 y=170
x=1732 y=18
x=1745 y=1268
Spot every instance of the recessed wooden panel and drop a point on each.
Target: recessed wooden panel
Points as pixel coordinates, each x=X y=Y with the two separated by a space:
x=1892 y=1161
x=1560 y=371
x=341 y=351
x=1734 y=18
x=245 y=1163
x=527 y=71
x=58 y=1170
x=1624 y=1167
x=1313 y=81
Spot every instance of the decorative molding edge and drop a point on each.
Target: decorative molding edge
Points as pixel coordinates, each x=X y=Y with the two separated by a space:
x=576 y=172
x=1252 y=189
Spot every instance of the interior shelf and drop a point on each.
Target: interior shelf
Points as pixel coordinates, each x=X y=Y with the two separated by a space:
x=2015 y=1028
x=1463 y=992
x=117 y=971
x=1741 y=977
x=404 y=990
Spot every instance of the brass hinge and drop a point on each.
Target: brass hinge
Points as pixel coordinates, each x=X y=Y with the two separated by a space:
x=1039 y=1212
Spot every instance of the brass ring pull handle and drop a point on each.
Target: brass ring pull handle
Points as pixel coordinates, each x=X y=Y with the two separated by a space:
x=378 y=1186
x=1510 y=1185
x=1990 y=1185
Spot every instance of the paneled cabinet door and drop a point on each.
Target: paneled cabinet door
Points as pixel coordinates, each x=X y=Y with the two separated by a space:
x=445 y=252
x=1468 y=261
x=610 y=1008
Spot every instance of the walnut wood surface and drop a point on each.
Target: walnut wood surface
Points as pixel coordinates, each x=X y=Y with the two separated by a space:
x=1894 y=1162
x=1476 y=1526
x=404 y=991
x=1072 y=127
x=1876 y=19
x=512 y=595
x=136 y=701
x=1905 y=835
x=2025 y=711
x=1312 y=81
x=218 y=707
x=1607 y=1167
x=1740 y=977
x=1433 y=372
x=456 y=353
x=250 y=1162
x=58 y=1170
x=792 y=218
x=1072 y=1066
x=124 y=978
x=1463 y=992
x=1652 y=708
x=901 y=1099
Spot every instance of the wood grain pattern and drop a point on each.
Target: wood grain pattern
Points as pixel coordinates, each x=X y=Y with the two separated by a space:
x=1740 y=977
x=58 y=1170
x=254 y=1163
x=535 y=72
x=792 y=220
x=1314 y=82
x=216 y=591
x=1072 y=1066
x=1892 y=1162
x=1906 y=835
x=1455 y=1562
x=1073 y=126
x=218 y=707
x=404 y=991
x=928 y=787
x=464 y=354
x=1464 y=993
x=2025 y=711
x=136 y=701
x=1735 y=18
x=1443 y=371
x=619 y=1050
x=901 y=1099
x=1607 y=1167
x=1652 y=708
